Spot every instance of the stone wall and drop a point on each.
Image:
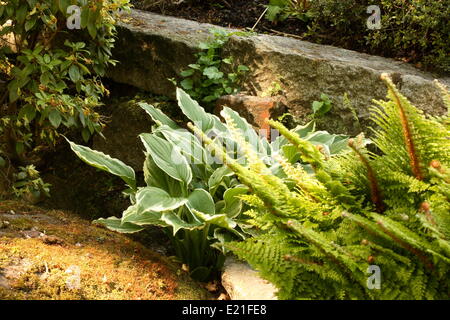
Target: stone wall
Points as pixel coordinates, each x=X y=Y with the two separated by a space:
x=152 y=48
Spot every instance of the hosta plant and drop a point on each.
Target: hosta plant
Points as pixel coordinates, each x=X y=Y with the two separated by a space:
x=362 y=225
x=188 y=192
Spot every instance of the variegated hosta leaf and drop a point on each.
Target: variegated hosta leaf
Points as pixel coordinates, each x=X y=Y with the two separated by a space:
x=218 y=175
x=158 y=116
x=259 y=143
x=197 y=114
x=104 y=162
x=189 y=144
x=116 y=224
x=167 y=157
x=202 y=201
x=177 y=223
x=151 y=199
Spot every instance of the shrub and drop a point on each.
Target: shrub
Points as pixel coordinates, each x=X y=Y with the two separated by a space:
x=52 y=73
x=356 y=213
x=188 y=193
x=416 y=30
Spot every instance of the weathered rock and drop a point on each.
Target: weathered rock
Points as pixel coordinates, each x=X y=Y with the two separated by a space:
x=255 y=109
x=153 y=48
x=121 y=140
x=243 y=283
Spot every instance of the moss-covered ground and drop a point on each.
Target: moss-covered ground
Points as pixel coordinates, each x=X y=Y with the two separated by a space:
x=52 y=254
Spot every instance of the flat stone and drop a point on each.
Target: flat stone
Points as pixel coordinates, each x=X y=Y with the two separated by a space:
x=243 y=283
x=152 y=48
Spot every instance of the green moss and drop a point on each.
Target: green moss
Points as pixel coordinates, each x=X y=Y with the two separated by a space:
x=113 y=268
x=20 y=223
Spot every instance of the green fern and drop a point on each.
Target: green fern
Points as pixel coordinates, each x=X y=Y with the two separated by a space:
x=390 y=209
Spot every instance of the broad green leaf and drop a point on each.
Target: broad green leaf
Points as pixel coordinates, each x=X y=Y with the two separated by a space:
x=233 y=205
x=74 y=73
x=217 y=176
x=157 y=115
x=187 y=84
x=220 y=220
x=116 y=224
x=213 y=73
x=104 y=162
x=197 y=114
x=246 y=129
x=167 y=157
x=155 y=177
x=158 y=200
x=134 y=215
x=202 y=201
x=55 y=118
x=188 y=143
x=177 y=223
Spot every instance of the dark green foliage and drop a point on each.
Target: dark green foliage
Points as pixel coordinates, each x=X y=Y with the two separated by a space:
x=51 y=73
x=356 y=210
x=206 y=80
x=417 y=30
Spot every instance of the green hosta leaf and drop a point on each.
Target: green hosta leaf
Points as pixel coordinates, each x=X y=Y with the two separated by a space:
x=246 y=129
x=167 y=157
x=233 y=205
x=189 y=145
x=220 y=220
x=202 y=201
x=177 y=223
x=197 y=114
x=158 y=200
x=155 y=177
x=116 y=224
x=104 y=162
x=217 y=177
x=157 y=115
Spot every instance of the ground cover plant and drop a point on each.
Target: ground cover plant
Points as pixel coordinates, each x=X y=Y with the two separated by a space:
x=356 y=213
